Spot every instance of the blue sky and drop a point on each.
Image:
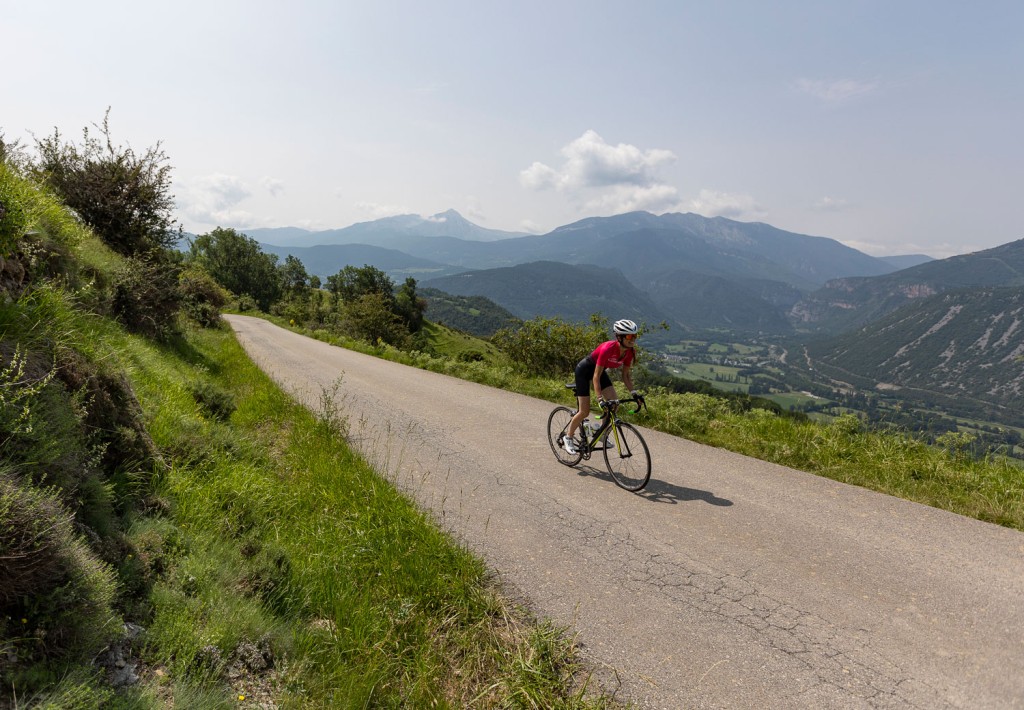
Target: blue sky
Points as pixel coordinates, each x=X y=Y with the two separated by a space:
x=894 y=127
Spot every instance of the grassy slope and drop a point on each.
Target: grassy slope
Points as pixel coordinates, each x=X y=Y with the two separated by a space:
x=265 y=561
x=293 y=541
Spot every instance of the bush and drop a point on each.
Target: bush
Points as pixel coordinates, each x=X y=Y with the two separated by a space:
x=146 y=296
x=551 y=346
x=201 y=296
x=55 y=597
x=214 y=400
x=111 y=412
x=123 y=196
x=13 y=219
x=371 y=318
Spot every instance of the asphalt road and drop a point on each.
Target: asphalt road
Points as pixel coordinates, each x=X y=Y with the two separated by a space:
x=728 y=583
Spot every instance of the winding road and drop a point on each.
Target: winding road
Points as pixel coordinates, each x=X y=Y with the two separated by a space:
x=728 y=583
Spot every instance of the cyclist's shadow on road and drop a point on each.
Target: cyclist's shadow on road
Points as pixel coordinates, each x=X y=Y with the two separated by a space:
x=660 y=492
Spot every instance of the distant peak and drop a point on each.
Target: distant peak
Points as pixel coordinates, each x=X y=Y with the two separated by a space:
x=446 y=216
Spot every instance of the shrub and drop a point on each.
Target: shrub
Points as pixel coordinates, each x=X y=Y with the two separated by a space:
x=371 y=318
x=146 y=296
x=13 y=219
x=41 y=430
x=551 y=346
x=125 y=197
x=55 y=597
x=214 y=400
x=201 y=296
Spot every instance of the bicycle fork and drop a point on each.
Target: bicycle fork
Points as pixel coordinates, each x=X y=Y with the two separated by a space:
x=621 y=446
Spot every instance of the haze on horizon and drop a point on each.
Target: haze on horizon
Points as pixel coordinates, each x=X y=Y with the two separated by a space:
x=891 y=127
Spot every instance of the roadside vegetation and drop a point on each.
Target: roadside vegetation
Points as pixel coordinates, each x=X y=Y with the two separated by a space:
x=174 y=531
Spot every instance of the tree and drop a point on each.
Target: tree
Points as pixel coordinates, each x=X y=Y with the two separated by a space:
x=371 y=318
x=239 y=264
x=123 y=196
x=551 y=346
x=409 y=306
x=352 y=283
x=295 y=282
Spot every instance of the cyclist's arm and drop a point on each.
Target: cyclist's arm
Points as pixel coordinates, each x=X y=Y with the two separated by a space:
x=597 y=382
x=627 y=378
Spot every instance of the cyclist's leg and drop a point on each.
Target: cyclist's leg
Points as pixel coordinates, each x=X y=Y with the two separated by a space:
x=584 y=373
x=582 y=410
x=607 y=388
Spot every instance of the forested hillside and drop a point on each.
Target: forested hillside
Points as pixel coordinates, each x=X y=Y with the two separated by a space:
x=554 y=289
x=476 y=315
x=961 y=351
x=848 y=303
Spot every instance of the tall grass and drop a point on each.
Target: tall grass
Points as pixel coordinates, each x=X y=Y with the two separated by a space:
x=286 y=541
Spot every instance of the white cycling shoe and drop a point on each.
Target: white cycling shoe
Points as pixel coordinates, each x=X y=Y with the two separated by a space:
x=569 y=446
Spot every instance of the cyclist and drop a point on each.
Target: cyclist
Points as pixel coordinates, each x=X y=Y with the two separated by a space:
x=591 y=372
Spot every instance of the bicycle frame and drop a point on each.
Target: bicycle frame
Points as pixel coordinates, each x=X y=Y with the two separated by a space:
x=610 y=420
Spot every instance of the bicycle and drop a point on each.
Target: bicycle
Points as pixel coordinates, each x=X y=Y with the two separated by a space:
x=625 y=452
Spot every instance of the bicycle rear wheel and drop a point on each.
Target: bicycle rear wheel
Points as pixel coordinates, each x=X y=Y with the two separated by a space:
x=627 y=457
x=558 y=423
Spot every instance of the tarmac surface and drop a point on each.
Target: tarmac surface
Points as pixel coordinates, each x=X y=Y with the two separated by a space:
x=727 y=583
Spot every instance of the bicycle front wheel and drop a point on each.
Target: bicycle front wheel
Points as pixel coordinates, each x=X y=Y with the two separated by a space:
x=558 y=423
x=627 y=457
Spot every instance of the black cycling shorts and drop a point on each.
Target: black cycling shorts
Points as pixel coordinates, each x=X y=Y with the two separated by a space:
x=585 y=375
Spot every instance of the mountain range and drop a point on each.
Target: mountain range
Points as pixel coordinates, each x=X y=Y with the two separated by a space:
x=385 y=232
x=961 y=350
x=696 y=272
x=945 y=332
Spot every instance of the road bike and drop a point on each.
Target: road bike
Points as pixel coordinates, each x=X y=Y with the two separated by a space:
x=625 y=452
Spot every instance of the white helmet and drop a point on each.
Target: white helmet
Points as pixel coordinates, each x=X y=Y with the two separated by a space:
x=625 y=327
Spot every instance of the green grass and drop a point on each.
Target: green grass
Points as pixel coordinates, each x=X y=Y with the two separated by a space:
x=460 y=346
x=792 y=400
x=284 y=539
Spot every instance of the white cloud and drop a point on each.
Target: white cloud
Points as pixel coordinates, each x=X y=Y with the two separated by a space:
x=836 y=91
x=712 y=203
x=630 y=198
x=528 y=225
x=607 y=178
x=830 y=204
x=592 y=163
x=539 y=177
x=377 y=210
x=272 y=185
x=213 y=199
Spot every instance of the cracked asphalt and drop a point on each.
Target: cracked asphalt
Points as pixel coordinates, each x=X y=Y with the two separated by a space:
x=727 y=583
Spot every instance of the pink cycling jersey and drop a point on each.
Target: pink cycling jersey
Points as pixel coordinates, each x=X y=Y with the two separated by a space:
x=607 y=356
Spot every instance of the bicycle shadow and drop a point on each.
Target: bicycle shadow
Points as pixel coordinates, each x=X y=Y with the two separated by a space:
x=658 y=491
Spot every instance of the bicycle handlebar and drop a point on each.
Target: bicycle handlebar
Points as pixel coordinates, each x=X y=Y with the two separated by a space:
x=612 y=404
